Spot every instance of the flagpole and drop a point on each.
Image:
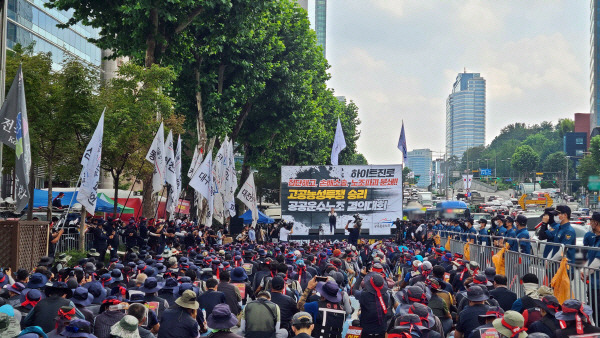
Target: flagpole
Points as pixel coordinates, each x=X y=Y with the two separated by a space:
x=131 y=190
x=158 y=204
x=71 y=203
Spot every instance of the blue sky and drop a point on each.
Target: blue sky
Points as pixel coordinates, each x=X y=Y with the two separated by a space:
x=398 y=59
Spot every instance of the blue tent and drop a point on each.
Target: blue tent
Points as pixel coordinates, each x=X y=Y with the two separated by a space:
x=262 y=218
x=40 y=200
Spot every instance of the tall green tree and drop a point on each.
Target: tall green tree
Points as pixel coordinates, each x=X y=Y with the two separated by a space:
x=589 y=165
x=60 y=104
x=143 y=29
x=133 y=100
x=525 y=160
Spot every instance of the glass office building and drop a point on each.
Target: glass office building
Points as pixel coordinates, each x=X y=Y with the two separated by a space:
x=419 y=161
x=465 y=114
x=30 y=22
x=595 y=64
x=321 y=23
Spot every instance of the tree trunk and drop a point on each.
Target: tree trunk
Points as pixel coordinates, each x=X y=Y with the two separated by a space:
x=147 y=202
x=240 y=121
x=50 y=169
x=151 y=39
x=82 y=228
x=116 y=178
x=200 y=129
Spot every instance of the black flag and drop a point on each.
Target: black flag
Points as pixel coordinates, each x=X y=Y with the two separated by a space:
x=14 y=132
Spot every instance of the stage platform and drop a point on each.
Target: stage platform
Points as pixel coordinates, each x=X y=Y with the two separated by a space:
x=339 y=234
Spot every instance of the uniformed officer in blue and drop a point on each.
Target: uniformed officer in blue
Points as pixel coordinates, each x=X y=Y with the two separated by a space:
x=522 y=233
x=563 y=234
x=511 y=233
x=547 y=223
x=483 y=232
x=593 y=262
x=457 y=229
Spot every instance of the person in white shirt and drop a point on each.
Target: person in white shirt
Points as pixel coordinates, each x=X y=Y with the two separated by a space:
x=332 y=220
x=284 y=233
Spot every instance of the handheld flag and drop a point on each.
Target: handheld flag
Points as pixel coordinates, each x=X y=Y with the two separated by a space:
x=178 y=169
x=196 y=161
x=402 y=145
x=202 y=178
x=339 y=143
x=90 y=173
x=247 y=195
x=156 y=156
x=15 y=134
x=170 y=175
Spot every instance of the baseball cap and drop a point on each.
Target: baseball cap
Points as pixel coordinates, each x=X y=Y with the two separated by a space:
x=302 y=318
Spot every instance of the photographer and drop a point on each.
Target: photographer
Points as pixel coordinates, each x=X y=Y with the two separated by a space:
x=285 y=231
x=355 y=230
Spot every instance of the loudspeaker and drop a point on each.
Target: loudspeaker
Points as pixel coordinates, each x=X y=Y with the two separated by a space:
x=313 y=231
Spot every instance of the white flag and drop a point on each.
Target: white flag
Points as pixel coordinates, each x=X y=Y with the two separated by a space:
x=156 y=156
x=339 y=143
x=230 y=176
x=170 y=176
x=196 y=161
x=178 y=170
x=219 y=181
x=467 y=179
x=247 y=195
x=90 y=174
x=203 y=177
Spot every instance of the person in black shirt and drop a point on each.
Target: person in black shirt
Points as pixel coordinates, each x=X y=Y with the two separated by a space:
x=287 y=306
x=57 y=201
x=332 y=220
x=354 y=233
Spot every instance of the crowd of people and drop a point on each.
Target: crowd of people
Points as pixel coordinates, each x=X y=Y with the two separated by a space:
x=187 y=281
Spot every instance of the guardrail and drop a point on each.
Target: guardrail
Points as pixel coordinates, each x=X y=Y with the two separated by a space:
x=585 y=281
x=70 y=241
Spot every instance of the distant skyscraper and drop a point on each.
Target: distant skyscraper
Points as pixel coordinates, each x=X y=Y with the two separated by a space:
x=465 y=114
x=303 y=4
x=419 y=161
x=321 y=23
x=595 y=65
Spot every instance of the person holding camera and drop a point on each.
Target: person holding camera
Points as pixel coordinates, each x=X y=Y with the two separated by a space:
x=284 y=232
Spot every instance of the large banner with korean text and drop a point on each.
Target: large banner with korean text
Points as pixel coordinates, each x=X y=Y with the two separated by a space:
x=374 y=192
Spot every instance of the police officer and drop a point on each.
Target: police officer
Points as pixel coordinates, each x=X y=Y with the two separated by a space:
x=593 y=261
x=522 y=233
x=470 y=232
x=563 y=234
x=483 y=232
x=130 y=234
x=100 y=242
x=511 y=233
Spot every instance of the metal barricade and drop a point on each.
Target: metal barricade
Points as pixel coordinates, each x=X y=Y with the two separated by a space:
x=70 y=241
x=584 y=281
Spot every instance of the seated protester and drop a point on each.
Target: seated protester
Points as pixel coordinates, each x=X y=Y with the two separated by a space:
x=140 y=312
x=233 y=297
x=127 y=327
x=439 y=305
x=169 y=292
x=180 y=320
x=150 y=289
x=486 y=320
x=44 y=313
x=329 y=306
x=302 y=325
x=29 y=299
x=468 y=319
x=107 y=317
x=221 y=321
x=82 y=299
x=574 y=319
x=409 y=296
x=548 y=305
x=428 y=320
x=209 y=299
x=63 y=318
x=511 y=325
x=261 y=318
x=439 y=272
x=482 y=284
x=502 y=294
x=287 y=306
x=239 y=275
x=375 y=307
x=530 y=287
x=339 y=279
x=407 y=326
